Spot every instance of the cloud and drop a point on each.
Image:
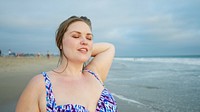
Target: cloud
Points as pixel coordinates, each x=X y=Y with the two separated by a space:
x=136 y=27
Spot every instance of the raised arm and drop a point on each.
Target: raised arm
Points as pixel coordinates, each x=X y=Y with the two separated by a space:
x=103 y=54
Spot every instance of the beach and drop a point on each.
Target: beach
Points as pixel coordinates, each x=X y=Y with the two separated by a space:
x=138 y=84
x=15 y=73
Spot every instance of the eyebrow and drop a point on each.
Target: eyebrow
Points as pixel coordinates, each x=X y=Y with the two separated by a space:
x=80 y=33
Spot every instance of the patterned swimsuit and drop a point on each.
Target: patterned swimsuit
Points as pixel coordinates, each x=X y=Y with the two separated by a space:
x=106 y=102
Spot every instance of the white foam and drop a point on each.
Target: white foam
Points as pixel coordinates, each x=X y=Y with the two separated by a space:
x=126 y=99
x=190 y=61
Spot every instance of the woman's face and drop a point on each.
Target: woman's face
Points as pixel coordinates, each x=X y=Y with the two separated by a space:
x=77 y=42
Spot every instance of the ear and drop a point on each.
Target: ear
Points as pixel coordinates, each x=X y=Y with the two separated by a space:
x=61 y=47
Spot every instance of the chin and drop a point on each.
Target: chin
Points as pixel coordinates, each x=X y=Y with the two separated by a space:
x=84 y=59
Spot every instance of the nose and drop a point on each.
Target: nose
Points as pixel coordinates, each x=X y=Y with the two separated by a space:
x=83 y=41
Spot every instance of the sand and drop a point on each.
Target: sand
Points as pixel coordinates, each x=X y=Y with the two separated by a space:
x=15 y=73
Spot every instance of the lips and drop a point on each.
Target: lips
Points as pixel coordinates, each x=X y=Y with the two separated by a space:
x=83 y=50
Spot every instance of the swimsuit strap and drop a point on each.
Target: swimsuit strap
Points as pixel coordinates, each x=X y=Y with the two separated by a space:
x=91 y=72
x=50 y=100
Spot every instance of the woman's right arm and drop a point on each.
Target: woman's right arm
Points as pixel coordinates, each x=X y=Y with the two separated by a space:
x=28 y=101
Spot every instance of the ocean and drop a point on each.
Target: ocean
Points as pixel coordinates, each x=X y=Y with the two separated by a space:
x=156 y=84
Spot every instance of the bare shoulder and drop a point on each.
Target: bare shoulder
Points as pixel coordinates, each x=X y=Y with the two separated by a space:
x=29 y=98
x=36 y=82
x=38 y=78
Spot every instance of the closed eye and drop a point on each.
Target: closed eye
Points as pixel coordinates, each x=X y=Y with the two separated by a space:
x=75 y=36
x=89 y=37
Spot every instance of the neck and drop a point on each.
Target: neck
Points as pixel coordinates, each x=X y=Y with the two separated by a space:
x=69 y=68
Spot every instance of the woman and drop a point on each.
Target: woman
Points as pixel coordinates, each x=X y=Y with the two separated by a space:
x=73 y=87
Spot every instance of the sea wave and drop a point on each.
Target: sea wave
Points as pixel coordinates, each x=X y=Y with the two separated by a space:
x=190 y=61
x=127 y=99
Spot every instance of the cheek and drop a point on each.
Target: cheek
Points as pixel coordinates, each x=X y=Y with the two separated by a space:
x=66 y=46
x=67 y=43
x=91 y=46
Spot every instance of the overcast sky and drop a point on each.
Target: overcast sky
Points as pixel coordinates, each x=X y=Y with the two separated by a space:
x=135 y=27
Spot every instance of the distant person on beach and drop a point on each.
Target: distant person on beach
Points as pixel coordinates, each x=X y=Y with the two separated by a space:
x=48 y=54
x=38 y=55
x=9 y=52
x=73 y=86
x=0 y=52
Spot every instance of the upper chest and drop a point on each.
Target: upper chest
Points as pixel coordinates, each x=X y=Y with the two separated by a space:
x=85 y=92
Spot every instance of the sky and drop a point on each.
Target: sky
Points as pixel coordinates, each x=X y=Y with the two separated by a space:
x=135 y=27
